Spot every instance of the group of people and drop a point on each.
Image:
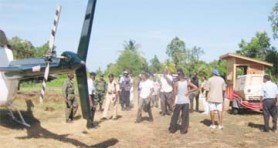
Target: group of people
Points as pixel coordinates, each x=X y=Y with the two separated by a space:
x=176 y=94
x=100 y=90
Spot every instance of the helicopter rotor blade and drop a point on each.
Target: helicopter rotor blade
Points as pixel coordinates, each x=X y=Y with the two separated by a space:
x=81 y=74
x=50 y=51
x=86 y=30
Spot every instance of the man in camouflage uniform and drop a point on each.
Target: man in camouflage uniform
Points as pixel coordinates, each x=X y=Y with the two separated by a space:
x=70 y=99
x=100 y=92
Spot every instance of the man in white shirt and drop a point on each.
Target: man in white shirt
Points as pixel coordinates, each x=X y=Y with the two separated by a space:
x=155 y=96
x=166 y=93
x=145 y=93
x=92 y=90
x=269 y=97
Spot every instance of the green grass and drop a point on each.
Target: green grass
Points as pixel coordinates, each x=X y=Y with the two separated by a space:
x=35 y=86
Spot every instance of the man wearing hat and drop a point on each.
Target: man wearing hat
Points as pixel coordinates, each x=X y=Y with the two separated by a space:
x=70 y=99
x=125 y=84
x=215 y=88
x=100 y=91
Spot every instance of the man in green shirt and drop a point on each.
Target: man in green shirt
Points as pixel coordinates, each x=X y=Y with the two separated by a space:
x=70 y=99
x=100 y=92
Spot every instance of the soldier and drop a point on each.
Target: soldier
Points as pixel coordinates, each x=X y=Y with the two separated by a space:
x=70 y=100
x=100 y=92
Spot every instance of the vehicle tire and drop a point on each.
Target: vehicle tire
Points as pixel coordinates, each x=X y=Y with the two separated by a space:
x=235 y=110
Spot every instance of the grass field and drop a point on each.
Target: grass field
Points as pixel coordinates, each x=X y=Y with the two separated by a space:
x=48 y=128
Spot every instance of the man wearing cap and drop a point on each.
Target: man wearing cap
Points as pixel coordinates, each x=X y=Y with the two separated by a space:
x=111 y=97
x=269 y=97
x=215 y=88
x=70 y=100
x=100 y=92
x=125 y=84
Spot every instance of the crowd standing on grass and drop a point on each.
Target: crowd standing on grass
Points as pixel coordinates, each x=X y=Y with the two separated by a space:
x=175 y=94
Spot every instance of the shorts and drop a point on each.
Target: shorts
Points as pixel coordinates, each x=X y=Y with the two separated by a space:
x=215 y=106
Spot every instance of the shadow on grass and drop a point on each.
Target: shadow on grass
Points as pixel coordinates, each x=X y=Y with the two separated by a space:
x=36 y=130
x=106 y=143
x=145 y=118
x=245 y=111
x=255 y=125
x=77 y=117
x=206 y=122
x=105 y=119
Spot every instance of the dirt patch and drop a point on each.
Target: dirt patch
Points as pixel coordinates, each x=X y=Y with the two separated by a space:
x=49 y=129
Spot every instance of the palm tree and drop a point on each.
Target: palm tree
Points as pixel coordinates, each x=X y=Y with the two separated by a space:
x=131 y=45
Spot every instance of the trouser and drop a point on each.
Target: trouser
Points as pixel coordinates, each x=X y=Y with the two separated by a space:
x=131 y=96
x=71 y=108
x=155 y=100
x=99 y=98
x=110 y=99
x=144 y=104
x=205 y=104
x=125 y=99
x=191 y=97
x=184 y=109
x=92 y=106
x=166 y=102
x=269 y=109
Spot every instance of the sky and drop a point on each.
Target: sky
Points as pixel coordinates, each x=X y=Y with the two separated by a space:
x=216 y=26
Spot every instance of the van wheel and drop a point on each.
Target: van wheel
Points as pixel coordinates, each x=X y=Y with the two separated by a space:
x=235 y=110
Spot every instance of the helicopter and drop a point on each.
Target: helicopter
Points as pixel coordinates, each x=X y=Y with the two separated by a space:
x=13 y=71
